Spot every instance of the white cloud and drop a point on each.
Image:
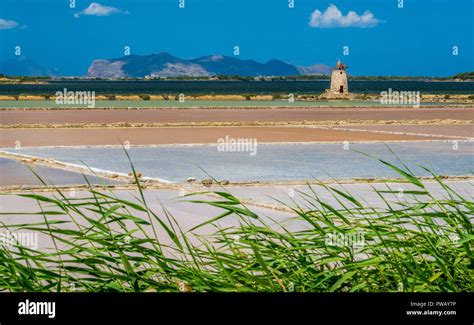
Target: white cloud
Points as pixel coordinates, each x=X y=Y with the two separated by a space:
x=333 y=18
x=7 y=24
x=96 y=9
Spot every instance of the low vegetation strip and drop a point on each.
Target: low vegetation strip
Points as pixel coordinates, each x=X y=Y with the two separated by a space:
x=236 y=123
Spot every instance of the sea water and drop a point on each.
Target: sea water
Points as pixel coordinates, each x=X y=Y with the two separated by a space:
x=272 y=162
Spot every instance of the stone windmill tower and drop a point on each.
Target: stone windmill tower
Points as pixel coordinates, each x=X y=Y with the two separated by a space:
x=339 y=85
x=339 y=79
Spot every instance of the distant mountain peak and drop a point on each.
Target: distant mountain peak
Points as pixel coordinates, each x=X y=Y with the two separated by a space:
x=212 y=58
x=165 y=54
x=23 y=66
x=275 y=61
x=315 y=69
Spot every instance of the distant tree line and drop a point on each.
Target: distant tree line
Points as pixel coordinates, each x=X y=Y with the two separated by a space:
x=25 y=78
x=464 y=76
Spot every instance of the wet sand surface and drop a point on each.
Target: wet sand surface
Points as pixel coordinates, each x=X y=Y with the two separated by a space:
x=184 y=135
x=458 y=130
x=17 y=173
x=12 y=117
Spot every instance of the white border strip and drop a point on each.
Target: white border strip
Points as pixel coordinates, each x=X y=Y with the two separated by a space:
x=79 y=168
x=213 y=144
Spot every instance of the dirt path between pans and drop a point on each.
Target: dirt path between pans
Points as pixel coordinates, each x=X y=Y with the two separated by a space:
x=196 y=115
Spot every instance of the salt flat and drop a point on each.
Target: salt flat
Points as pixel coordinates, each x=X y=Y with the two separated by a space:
x=271 y=162
x=16 y=173
x=183 y=135
x=265 y=113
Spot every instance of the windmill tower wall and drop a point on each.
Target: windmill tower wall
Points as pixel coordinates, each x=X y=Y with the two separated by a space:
x=339 y=83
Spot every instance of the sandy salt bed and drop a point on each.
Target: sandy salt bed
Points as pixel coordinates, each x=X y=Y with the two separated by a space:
x=12 y=117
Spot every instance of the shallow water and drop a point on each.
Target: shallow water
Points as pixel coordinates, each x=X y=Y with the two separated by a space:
x=272 y=162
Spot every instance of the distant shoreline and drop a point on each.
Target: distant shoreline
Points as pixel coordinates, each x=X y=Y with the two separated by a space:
x=115 y=101
x=85 y=80
x=461 y=77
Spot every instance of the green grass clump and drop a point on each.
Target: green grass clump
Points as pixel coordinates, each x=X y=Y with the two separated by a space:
x=104 y=243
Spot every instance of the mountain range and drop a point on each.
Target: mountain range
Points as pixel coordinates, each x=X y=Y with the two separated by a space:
x=166 y=65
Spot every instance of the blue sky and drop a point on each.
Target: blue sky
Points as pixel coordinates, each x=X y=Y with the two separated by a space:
x=417 y=39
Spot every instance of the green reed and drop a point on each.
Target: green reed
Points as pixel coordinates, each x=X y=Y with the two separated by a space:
x=101 y=242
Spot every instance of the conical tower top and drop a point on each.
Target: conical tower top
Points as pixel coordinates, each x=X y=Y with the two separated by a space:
x=340 y=66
